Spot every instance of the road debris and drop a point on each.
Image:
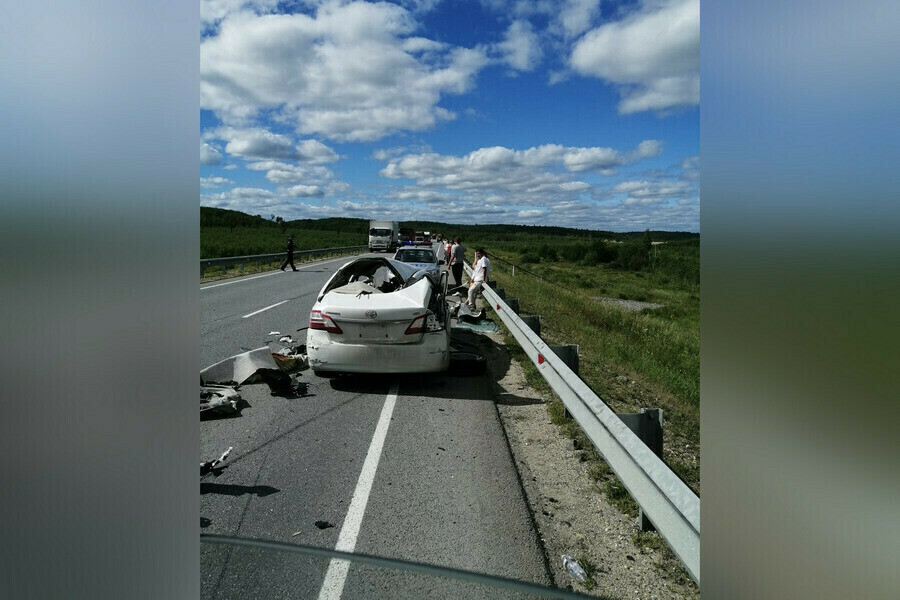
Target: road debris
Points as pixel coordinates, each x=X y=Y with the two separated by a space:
x=259 y=365
x=239 y=369
x=211 y=466
x=324 y=524
x=217 y=400
x=574 y=569
x=476 y=321
x=291 y=359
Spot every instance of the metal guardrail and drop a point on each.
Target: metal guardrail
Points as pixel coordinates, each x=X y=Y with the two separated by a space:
x=278 y=256
x=670 y=504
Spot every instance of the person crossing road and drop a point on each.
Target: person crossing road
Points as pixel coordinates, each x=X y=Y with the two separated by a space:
x=289 y=259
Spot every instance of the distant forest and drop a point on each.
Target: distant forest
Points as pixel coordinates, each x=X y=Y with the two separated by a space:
x=215 y=218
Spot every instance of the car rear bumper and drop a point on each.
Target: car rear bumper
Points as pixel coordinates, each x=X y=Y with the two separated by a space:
x=430 y=355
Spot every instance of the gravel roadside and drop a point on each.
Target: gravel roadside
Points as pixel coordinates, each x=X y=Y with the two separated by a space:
x=572 y=516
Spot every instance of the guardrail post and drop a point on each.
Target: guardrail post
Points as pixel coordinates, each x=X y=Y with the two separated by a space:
x=533 y=322
x=513 y=303
x=501 y=293
x=647 y=425
x=569 y=355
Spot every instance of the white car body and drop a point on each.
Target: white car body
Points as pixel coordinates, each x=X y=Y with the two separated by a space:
x=378 y=315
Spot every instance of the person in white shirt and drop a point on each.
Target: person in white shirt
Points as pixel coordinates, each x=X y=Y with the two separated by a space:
x=480 y=273
x=447 y=248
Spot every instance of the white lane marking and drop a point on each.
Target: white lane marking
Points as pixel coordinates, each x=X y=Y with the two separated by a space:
x=264 y=309
x=237 y=281
x=333 y=586
x=316 y=264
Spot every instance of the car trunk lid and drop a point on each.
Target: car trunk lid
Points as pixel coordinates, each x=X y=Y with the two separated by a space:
x=378 y=318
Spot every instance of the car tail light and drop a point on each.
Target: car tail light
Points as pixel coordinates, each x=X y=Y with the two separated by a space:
x=319 y=321
x=417 y=325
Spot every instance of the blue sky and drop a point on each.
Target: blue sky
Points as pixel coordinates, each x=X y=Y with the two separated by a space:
x=577 y=113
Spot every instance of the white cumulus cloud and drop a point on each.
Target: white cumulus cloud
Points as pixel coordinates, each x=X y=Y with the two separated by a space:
x=305 y=190
x=282 y=172
x=577 y=16
x=256 y=143
x=350 y=72
x=652 y=190
x=209 y=155
x=212 y=11
x=514 y=177
x=260 y=143
x=316 y=152
x=520 y=48
x=652 y=54
x=213 y=182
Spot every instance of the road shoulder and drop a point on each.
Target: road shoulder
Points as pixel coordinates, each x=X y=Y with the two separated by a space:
x=571 y=515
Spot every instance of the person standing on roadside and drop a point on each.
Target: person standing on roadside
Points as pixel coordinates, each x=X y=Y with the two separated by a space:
x=457 y=256
x=480 y=272
x=447 y=246
x=290 y=254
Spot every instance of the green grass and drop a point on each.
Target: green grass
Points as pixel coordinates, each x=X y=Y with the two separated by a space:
x=216 y=242
x=590 y=569
x=651 y=542
x=659 y=349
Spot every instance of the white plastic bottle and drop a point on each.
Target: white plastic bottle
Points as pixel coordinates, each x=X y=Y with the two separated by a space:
x=571 y=565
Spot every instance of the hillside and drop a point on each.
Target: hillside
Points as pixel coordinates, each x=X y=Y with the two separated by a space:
x=233 y=233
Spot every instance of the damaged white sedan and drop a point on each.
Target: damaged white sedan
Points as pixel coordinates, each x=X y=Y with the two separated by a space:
x=378 y=315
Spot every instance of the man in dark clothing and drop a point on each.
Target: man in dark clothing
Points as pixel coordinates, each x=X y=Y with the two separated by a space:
x=290 y=254
x=457 y=256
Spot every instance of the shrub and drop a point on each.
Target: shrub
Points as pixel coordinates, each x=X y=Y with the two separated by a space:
x=599 y=252
x=548 y=252
x=573 y=252
x=633 y=257
x=528 y=257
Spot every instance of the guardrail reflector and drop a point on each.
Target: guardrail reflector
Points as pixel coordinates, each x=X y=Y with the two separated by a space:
x=540 y=359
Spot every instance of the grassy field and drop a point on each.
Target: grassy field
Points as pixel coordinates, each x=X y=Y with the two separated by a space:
x=649 y=358
x=219 y=241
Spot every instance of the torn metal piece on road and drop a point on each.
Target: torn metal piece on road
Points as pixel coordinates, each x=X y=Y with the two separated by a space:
x=258 y=365
x=239 y=369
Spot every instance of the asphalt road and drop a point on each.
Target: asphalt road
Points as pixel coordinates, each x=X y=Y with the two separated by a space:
x=414 y=467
